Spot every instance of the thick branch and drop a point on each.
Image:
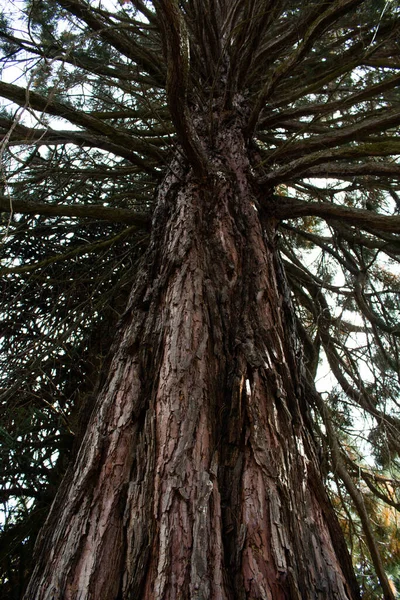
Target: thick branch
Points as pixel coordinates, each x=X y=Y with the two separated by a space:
x=284 y=207
x=22 y=136
x=176 y=45
x=388 y=147
x=314 y=31
x=323 y=108
x=94 y=211
x=378 y=123
x=142 y=57
x=124 y=141
x=343 y=169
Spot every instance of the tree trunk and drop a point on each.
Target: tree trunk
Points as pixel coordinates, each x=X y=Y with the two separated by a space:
x=198 y=476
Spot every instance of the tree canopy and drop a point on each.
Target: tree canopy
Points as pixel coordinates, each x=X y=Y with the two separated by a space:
x=98 y=99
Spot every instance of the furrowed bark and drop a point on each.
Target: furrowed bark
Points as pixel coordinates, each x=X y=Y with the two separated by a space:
x=198 y=476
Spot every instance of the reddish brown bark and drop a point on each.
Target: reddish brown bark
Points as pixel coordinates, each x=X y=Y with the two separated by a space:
x=198 y=475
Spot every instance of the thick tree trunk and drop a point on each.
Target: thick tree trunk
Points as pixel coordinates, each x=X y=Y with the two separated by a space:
x=198 y=475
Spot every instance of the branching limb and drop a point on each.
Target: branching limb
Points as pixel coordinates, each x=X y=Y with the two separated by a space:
x=176 y=48
x=94 y=211
x=284 y=207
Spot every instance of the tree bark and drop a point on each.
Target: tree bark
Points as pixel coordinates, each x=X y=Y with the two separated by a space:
x=198 y=475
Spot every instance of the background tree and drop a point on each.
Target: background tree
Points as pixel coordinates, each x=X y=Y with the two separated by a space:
x=218 y=181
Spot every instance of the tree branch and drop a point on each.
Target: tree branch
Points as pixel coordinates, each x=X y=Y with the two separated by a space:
x=316 y=27
x=176 y=48
x=117 y=138
x=142 y=57
x=388 y=147
x=85 y=249
x=94 y=211
x=284 y=207
x=378 y=123
x=340 y=170
x=322 y=108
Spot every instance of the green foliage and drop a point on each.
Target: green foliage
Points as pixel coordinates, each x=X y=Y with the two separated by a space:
x=385 y=519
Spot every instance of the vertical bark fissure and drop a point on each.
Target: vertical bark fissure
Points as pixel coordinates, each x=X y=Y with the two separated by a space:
x=194 y=478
